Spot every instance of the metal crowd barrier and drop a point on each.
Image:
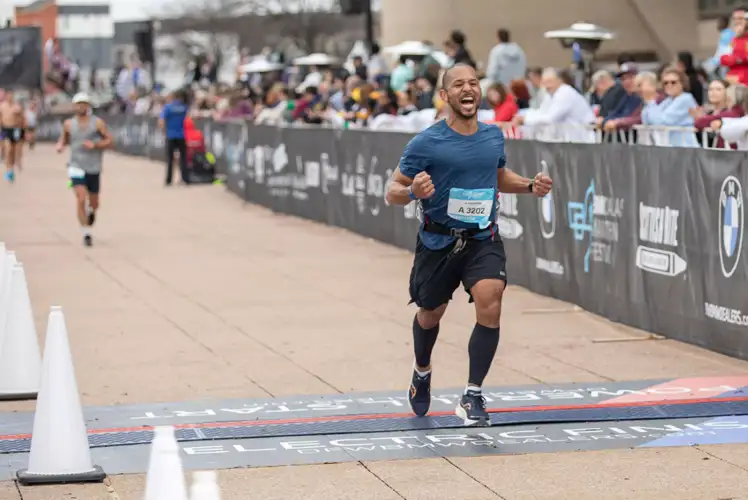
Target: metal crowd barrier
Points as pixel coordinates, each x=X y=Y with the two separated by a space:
x=643 y=235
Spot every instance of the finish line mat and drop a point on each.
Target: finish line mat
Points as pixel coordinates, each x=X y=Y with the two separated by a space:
x=377 y=426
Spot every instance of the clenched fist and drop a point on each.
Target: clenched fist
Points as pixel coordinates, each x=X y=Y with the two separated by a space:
x=422 y=186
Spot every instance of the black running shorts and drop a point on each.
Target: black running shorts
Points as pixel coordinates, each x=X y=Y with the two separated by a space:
x=92 y=182
x=13 y=135
x=436 y=274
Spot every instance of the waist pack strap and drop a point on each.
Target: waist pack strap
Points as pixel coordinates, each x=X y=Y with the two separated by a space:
x=436 y=228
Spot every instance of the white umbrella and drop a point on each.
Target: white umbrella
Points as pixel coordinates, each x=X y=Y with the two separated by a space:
x=409 y=49
x=317 y=59
x=260 y=66
x=582 y=31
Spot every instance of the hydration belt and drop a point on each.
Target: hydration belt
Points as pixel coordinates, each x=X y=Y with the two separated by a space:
x=462 y=235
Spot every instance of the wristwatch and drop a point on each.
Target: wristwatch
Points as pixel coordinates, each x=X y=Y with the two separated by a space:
x=411 y=195
x=530 y=186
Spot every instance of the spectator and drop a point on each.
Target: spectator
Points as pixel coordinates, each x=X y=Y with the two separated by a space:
x=449 y=48
x=538 y=93
x=566 y=107
x=503 y=103
x=506 y=61
x=737 y=60
x=386 y=103
x=239 y=107
x=308 y=107
x=132 y=78
x=359 y=67
x=607 y=94
x=710 y=116
x=337 y=94
x=312 y=79
x=407 y=101
x=462 y=55
x=695 y=83
x=673 y=111
x=360 y=105
x=377 y=65
x=727 y=31
x=428 y=63
x=172 y=122
x=519 y=90
x=194 y=140
x=624 y=58
x=630 y=104
x=401 y=75
x=734 y=130
x=425 y=93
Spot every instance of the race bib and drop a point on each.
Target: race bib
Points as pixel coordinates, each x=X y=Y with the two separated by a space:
x=472 y=206
x=76 y=173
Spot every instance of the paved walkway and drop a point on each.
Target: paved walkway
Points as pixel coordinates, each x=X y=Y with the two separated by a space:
x=189 y=294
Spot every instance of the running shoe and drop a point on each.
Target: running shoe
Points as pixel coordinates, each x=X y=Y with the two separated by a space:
x=472 y=410
x=9 y=176
x=419 y=394
x=87 y=240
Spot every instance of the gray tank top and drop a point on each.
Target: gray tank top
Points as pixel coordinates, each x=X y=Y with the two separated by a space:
x=87 y=159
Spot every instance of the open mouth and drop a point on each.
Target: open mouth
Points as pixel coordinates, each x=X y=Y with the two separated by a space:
x=467 y=100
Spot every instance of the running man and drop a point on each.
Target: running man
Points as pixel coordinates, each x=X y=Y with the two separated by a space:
x=453 y=169
x=88 y=137
x=12 y=124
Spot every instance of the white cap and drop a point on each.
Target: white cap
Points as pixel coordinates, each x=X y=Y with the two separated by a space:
x=81 y=97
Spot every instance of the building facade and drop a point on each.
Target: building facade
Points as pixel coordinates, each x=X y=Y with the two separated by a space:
x=649 y=29
x=85 y=30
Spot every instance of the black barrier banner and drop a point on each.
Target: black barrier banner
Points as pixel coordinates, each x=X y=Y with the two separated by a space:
x=21 y=57
x=648 y=236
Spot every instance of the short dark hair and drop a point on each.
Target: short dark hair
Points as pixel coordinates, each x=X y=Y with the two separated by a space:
x=458 y=37
x=375 y=48
x=445 y=77
x=503 y=35
x=537 y=70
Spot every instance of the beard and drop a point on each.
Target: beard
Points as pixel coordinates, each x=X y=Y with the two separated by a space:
x=456 y=107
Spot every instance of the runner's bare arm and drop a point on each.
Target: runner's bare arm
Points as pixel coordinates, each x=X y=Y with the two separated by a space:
x=397 y=191
x=511 y=182
x=107 y=141
x=65 y=137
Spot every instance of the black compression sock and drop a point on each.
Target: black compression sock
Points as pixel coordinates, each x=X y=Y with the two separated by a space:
x=423 y=342
x=481 y=350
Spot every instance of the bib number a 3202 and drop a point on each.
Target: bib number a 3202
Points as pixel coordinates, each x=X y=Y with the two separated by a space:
x=76 y=172
x=472 y=206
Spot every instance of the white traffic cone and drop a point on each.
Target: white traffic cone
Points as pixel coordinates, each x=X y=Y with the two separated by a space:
x=205 y=486
x=59 y=441
x=9 y=260
x=20 y=360
x=165 y=478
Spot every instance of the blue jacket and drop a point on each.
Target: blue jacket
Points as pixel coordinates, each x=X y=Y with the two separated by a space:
x=626 y=107
x=173 y=116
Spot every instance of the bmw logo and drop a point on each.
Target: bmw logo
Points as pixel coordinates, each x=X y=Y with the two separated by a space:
x=731 y=224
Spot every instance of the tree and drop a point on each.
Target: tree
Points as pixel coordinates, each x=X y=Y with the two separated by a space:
x=302 y=24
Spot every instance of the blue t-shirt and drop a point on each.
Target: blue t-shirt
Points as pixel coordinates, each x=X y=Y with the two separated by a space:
x=463 y=168
x=173 y=115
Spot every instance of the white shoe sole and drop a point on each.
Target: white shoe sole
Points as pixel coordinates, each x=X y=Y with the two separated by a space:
x=461 y=413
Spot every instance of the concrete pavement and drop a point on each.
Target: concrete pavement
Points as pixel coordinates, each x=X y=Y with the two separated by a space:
x=189 y=293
